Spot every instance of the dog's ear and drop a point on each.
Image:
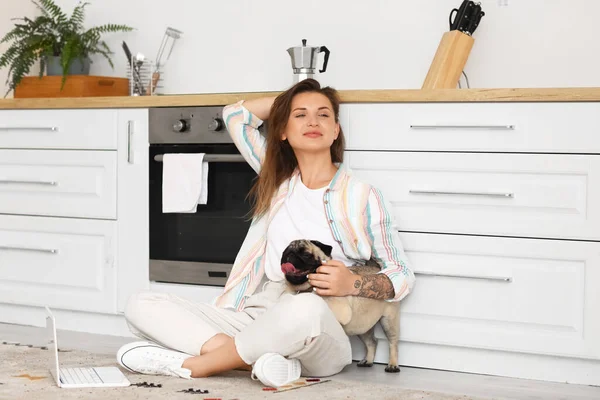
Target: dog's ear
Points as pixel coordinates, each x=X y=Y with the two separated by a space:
x=324 y=247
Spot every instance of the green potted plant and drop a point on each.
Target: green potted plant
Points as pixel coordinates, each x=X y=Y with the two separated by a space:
x=60 y=43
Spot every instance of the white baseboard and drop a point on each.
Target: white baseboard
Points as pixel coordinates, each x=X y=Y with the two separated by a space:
x=77 y=321
x=487 y=362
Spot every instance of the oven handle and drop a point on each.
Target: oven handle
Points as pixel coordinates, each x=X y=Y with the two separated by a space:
x=213 y=158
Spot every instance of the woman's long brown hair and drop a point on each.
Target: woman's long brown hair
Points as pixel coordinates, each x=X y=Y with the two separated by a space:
x=280 y=160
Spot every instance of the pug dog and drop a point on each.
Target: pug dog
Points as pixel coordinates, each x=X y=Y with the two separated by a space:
x=357 y=315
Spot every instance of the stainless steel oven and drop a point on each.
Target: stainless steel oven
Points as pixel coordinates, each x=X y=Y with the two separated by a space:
x=200 y=247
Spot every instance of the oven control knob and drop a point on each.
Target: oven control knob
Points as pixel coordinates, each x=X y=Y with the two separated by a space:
x=216 y=125
x=180 y=125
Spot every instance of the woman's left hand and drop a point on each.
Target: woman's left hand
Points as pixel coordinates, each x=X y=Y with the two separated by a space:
x=333 y=278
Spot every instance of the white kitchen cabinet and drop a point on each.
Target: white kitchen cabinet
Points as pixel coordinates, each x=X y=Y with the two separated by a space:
x=498 y=207
x=505 y=294
x=64 y=263
x=533 y=195
x=525 y=308
x=133 y=252
x=66 y=183
x=58 y=129
x=561 y=127
x=93 y=168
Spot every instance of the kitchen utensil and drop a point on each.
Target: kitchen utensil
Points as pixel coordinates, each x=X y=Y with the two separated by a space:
x=140 y=76
x=474 y=19
x=170 y=37
x=460 y=14
x=304 y=60
x=450 y=20
x=464 y=20
x=135 y=76
x=139 y=61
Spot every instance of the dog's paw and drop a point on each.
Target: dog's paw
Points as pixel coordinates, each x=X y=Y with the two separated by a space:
x=364 y=363
x=392 y=368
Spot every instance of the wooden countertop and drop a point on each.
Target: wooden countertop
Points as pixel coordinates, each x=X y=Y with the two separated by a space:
x=348 y=96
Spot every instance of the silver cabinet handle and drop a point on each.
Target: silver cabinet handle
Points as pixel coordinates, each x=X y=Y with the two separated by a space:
x=39 y=250
x=487 y=278
x=213 y=158
x=482 y=194
x=499 y=127
x=129 y=140
x=29 y=128
x=15 y=181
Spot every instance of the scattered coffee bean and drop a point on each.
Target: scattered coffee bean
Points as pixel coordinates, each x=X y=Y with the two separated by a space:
x=197 y=391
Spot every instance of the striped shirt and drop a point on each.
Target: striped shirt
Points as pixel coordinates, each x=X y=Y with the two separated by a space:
x=358 y=215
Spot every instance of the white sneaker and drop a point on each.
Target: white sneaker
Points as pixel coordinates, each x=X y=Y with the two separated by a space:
x=274 y=370
x=150 y=358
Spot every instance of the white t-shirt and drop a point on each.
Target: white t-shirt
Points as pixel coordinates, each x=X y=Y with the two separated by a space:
x=302 y=216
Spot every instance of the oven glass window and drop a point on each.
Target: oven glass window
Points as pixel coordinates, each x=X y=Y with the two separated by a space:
x=215 y=232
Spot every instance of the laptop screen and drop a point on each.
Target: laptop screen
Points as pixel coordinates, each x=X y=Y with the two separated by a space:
x=52 y=345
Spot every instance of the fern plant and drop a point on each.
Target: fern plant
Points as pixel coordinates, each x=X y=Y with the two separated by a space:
x=53 y=34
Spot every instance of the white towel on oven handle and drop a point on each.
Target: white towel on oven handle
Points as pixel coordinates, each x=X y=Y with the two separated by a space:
x=185 y=182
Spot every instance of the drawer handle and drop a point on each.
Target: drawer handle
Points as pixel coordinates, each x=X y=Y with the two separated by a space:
x=483 y=194
x=129 y=142
x=499 y=127
x=487 y=278
x=49 y=183
x=29 y=128
x=51 y=251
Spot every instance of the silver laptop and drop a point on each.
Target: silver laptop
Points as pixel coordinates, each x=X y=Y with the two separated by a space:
x=80 y=377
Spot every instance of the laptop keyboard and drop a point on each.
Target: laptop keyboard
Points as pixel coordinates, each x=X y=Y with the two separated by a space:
x=79 y=375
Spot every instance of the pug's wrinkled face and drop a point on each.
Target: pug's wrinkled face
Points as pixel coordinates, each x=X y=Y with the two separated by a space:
x=303 y=257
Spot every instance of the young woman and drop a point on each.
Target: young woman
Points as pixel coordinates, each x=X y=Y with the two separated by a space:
x=303 y=191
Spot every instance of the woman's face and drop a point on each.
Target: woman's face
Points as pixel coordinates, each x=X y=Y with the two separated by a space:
x=311 y=126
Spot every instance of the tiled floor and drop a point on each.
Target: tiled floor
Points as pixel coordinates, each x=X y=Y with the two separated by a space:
x=409 y=378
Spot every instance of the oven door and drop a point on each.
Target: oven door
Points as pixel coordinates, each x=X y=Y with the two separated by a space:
x=200 y=247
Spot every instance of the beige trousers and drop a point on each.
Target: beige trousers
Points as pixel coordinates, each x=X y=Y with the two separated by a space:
x=299 y=326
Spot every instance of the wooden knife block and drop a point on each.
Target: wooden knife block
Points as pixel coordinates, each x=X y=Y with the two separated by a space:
x=75 y=86
x=449 y=61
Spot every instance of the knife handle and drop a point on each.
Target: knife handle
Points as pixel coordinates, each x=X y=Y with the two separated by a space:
x=475 y=18
x=464 y=19
x=450 y=21
x=460 y=15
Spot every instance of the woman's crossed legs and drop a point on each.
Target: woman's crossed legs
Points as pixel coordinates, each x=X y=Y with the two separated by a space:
x=216 y=340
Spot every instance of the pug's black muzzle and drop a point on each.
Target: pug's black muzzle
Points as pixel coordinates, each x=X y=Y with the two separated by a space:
x=303 y=265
